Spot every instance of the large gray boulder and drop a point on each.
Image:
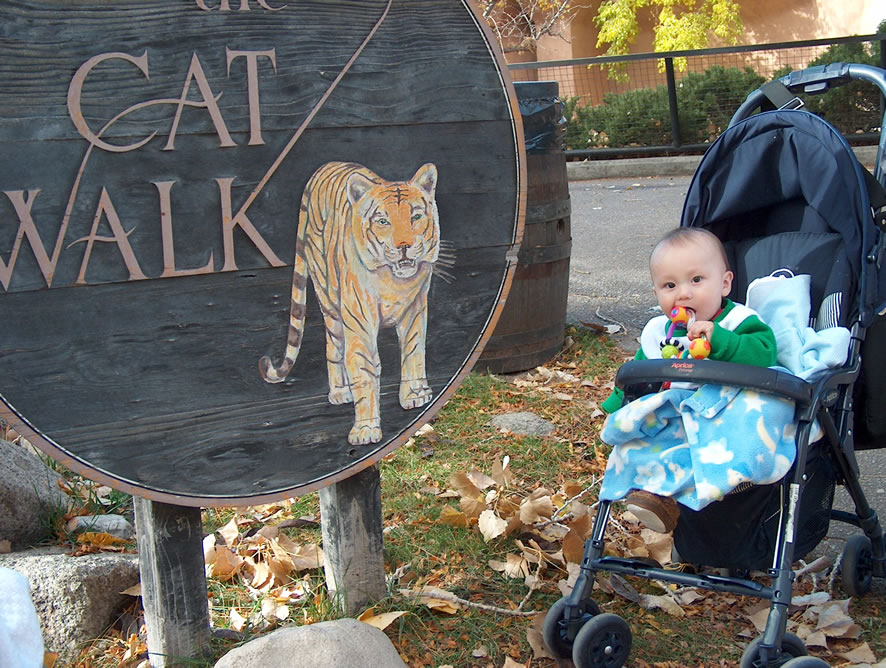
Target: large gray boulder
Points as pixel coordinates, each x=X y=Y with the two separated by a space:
x=29 y=497
x=344 y=643
x=76 y=597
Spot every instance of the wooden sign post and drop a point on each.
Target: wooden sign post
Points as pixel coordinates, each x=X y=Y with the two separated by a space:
x=247 y=247
x=352 y=540
x=170 y=561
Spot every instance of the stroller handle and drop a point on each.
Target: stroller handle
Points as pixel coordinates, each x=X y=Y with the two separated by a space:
x=700 y=372
x=820 y=79
x=815 y=80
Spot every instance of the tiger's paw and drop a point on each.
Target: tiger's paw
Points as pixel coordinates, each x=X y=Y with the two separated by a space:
x=364 y=434
x=414 y=394
x=340 y=395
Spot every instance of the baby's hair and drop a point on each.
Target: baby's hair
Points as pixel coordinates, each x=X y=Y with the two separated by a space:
x=682 y=236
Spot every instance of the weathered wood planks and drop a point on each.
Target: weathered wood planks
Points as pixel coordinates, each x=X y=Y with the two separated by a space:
x=149 y=203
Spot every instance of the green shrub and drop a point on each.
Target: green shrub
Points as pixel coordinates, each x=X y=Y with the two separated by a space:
x=710 y=100
x=706 y=102
x=855 y=107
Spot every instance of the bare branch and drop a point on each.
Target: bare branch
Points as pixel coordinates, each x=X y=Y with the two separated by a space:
x=524 y=22
x=452 y=598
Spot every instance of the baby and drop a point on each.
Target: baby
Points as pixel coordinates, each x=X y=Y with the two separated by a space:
x=689 y=269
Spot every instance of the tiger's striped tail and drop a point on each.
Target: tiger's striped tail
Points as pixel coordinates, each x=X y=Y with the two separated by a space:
x=277 y=374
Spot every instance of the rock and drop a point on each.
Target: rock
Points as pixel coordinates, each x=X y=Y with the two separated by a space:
x=29 y=497
x=116 y=525
x=344 y=643
x=525 y=423
x=76 y=597
x=21 y=641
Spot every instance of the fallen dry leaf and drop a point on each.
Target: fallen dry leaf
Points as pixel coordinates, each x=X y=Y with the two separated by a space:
x=536 y=508
x=861 y=654
x=134 y=590
x=453 y=517
x=834 y=620
x=100 y=539
x=471 y=507
x=565 y=586
x=815 y=598
x=501 y=472
x=758 y=615
x=536 y=639
x=261 y=576
x=616 y=584
x=690 y=596
x=304 y=556
x=481 y=480
x=582 y=521
x=659 y=545
x=227 y=564
x=491 y=525
x=238 y=621
x=230 y=532
x=515 y=566
x=573 y=547
x=380 y=621
x=464 y=485
x=274 y=611
x=813 y=638
x=665 y=602
x=209 y=549
x=572 y=488
x=510 y=663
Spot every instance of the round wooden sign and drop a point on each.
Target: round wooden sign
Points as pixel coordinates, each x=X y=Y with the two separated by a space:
x=247 y=247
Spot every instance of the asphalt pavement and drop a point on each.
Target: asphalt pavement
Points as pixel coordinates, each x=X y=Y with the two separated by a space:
x=615 y=223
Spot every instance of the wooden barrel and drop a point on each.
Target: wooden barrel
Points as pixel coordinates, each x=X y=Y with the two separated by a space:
x=530 y=329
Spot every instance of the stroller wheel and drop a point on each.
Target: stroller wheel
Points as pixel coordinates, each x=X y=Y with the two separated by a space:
x=605 y=640
x=857 y=565
x=791 y=647
x=806 y=662
x=554 y=628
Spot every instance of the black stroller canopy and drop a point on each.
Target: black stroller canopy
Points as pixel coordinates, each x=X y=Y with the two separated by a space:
x=787 y=171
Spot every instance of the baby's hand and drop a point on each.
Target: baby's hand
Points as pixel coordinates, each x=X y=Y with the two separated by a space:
x=701 y=328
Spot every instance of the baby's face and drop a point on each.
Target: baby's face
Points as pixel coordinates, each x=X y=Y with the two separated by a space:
x=692 y=275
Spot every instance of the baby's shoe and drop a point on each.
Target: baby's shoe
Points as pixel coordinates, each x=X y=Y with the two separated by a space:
x=659 y=513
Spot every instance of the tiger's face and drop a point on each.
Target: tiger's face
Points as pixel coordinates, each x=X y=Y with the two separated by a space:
x=397 y=220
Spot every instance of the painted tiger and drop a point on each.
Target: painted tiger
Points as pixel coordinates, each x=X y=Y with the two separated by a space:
x=369 y=246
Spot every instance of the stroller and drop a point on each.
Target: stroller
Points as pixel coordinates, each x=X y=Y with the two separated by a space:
x=781 y=189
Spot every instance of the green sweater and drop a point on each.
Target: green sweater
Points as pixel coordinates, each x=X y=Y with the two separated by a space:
x=750 y=341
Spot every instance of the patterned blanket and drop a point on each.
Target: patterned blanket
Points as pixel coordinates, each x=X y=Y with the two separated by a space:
x=696 y=445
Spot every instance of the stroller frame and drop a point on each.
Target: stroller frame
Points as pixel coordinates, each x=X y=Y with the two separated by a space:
x=575 y=626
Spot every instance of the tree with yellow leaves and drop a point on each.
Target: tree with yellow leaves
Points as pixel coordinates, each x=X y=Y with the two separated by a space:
x=680 y=24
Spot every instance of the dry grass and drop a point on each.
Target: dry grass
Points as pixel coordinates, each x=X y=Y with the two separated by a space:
x=432 y=539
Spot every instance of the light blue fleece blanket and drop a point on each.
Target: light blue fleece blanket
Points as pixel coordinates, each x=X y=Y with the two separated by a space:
x=698 y=445
x=784 y=305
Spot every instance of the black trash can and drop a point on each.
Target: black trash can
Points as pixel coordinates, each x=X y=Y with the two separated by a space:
x=530 y=329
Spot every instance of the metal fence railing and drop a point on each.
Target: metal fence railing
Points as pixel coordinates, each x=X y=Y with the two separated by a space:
x=680 y=101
